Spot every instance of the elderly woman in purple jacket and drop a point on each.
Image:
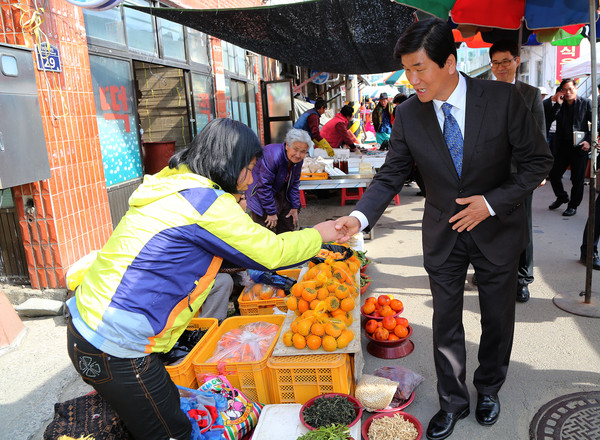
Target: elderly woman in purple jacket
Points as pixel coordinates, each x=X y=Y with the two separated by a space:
x=274 y=196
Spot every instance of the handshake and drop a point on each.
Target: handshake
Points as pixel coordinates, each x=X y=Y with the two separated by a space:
x=339 y=230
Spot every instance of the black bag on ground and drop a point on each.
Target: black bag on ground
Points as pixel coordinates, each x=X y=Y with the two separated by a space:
x=86 y=415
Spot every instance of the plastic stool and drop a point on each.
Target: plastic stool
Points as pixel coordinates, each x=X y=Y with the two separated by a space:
x=397 y=199
x=302 y=199
x=351 y=196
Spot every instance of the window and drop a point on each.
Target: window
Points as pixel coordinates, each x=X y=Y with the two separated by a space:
x=203 y=100
x=172 y=39
x=105 y=25
x=141 y=34
x=198 y=47
x=539 y=72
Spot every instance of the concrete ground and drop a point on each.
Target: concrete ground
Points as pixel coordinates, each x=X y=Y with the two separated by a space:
x=555 y=352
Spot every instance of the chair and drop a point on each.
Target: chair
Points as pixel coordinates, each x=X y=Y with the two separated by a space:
x=302 y=199
x=351 y=195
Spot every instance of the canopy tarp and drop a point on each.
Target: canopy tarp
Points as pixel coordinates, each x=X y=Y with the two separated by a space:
x=336 y=36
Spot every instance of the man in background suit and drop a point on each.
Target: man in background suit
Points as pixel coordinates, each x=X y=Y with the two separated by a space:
x=504 y=59
x=474 y=211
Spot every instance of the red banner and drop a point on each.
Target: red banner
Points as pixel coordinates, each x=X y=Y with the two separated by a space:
x=564 y=54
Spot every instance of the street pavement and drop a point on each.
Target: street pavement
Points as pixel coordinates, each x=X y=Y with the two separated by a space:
x=555 y=352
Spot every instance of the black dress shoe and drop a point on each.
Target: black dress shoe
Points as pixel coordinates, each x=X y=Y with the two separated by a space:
x=557 y=203
x=523 y=294
x=569 y=212
x=442 y=424
x=488 y=409
x=595 y=260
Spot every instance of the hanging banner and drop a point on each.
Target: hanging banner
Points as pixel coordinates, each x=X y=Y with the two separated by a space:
x=564 y=54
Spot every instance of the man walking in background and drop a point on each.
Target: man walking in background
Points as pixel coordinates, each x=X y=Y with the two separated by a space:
x=504 y=59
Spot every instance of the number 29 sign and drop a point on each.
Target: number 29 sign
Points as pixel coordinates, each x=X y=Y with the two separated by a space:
x=47 y=57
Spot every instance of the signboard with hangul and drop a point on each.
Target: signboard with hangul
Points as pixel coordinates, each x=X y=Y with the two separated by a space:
x=564 y=54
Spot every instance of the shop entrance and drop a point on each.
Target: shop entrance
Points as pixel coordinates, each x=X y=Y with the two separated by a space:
x=13 y=264
x=164 y=112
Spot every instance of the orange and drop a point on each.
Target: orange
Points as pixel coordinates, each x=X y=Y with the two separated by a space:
x=329 y=343
x=334 y=328
x=304 y=326
x=267 y=293
x=332 y=303
x=287 y=338
x=322 y=293
x=401 y=331
x=346 y=318
x=402 y=321
x=381 y=334
x=396 y=305
x=332 y=284
x=314 y=303
x=373 y=300
x=303 y=306
x=353 y=267
x=347 y=304
x=383 y=300
x=342 y=291
x=257 y=289
x=313 y=342
x=294 y=325
x=388 y=322
x=345 y=338
x=299 y=341
x=393 y=337
x=386 y=311
x=291 y=302
x=309 y=294
x=317 y=329
x=280 y=293
x=246 y=297
x=368 y=308
x=297 y=290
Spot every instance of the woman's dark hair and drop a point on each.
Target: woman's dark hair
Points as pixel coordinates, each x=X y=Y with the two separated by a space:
x=220 y=152
x=433 y=35
x=399 y=98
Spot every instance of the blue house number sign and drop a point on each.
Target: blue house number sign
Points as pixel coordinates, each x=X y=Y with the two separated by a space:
x=48 y=57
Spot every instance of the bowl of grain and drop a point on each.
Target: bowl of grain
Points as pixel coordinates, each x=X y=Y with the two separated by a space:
x=392 y=426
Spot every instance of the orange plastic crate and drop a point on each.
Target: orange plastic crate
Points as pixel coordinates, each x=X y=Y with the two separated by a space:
x=252 y=378
x=297 y=379
x=314 y=176
x=261 y=306
x=183 y=373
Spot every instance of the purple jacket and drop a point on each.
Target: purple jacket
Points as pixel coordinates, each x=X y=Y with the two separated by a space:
x=269 y=175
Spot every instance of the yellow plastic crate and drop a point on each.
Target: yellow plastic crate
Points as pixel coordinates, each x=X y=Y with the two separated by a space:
x=183 y=373
x=297 y=379
x=252 y=378
x=261 y=306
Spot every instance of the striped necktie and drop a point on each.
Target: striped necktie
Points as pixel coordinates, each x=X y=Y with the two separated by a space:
x=453 y=137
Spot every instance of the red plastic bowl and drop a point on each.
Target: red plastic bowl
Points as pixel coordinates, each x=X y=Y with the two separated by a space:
x=398 y=408
x=412 y=419
x=357 y=407
x=391 y=343
x=362 y=268
x=363 y=289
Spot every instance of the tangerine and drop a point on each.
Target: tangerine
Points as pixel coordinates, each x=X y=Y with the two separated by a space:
x=309 y=294
x=287 y=338
x=347 y=304
x=280 y=293
x=380 y=334
x=303 y=305
x=314 y=304
x=342 y=291
x=334 y=328
x=403 y=322
x=393 y=337
x=371 y=299
x=332 y=303
x=267 y=293
x=313 y=342
x=322 y=293
x=299 y=341
x=317 y=329
x=368 y=308
x=297 y=290
x=257 y=289
x=292 y=303
x=246 y=297
x=383 y=300
x=345 y=338
x=396 y=305
x=329 y=343
x=386 y=311
x=304 y=326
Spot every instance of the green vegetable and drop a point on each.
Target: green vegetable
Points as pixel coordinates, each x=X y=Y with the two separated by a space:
x=364 y=280
x=331 y=410
x=362 y=256
x=331 y=432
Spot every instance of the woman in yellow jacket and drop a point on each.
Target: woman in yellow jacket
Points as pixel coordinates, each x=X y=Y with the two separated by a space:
x=159 y=265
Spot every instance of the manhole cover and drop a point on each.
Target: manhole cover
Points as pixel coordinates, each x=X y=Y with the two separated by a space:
x=571 y=417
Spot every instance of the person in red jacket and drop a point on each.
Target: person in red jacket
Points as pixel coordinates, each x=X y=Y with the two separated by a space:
x=336 y=131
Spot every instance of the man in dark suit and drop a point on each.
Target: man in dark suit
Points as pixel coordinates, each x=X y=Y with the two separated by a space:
x=572 y=113
x=474 y=211
x=504 y=59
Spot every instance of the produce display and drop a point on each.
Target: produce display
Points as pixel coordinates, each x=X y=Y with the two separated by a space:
x=248 y=343
x=374 y=392
x=331 y=432
x=322 y=302
x=395 y=427
x=329 y=410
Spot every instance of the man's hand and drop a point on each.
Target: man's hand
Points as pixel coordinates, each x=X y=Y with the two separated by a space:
x=558 y=97
x=472 y=215
x=348 y=225
x=585 y=146
x=271 y=221
x=330 y=231
x=294 y=214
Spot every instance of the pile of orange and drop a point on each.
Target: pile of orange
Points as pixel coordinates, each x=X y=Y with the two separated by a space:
x=323 y=301
x=260 y=291
x=388 y=329
x=382 y=306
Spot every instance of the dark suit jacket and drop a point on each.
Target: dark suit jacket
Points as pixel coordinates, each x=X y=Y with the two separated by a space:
x=498 y=128
x=533 y=99
x=582 y=114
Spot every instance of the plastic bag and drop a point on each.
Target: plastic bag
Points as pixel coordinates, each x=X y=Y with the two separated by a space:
x=271 y=279
x=204 y=410
x=247 y=343
x=374 y=392
x=407 y=380
x=257 y=291
x=240 y=415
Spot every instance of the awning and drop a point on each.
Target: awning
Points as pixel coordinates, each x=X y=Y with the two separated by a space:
x=336 y=36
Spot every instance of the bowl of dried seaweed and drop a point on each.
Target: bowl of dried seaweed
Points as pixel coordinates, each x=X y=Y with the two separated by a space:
x=331 y=409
